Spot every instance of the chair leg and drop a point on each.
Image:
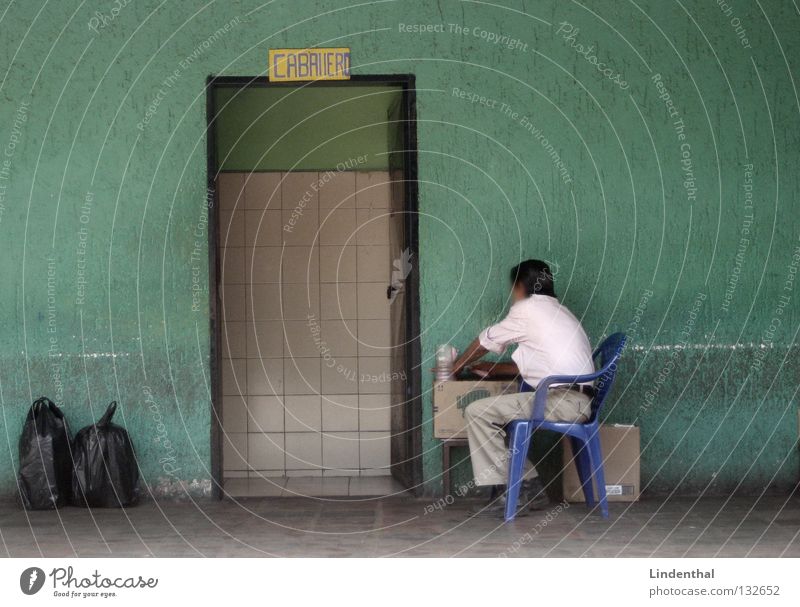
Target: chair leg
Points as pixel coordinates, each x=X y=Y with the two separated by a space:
x=518 y=446
x=597 y=472
x=580 y=451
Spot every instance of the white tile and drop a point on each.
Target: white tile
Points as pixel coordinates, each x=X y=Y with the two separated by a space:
x=262 y=191
x=337 y=227
x=372 y=300
x=373 y=189
x=303 y=413
x=300 y=229
x=340 y=336
x=374 y=338
x=234 y=451
x=234 y=474
x=303 y=473
x=276 y=476
x=263 y=302
x=374 y=264
x=340 y=413
x=234 y=414
x=300 y=301
x=232 y=265
x=337 y=189
x=266 y=414
x=265 y=376
x=340 y=451
x=231 y=228
x=234 y=377
x=229 y=190
x=266 y=451
x=340 y=376
x=300 y=340
x=375 y=450
x=337 y=263
x=235 y=487
x=263 y=228
x=233 y=302
x=300 y=265
x=338 y=301
x=303 y=451
x=299 y=189
x=302 y=376
x=316 y=486
x=373 y=226
x=374 y=412
x=262 y=265
x=234 y=339
x=264 y=339
x=374 y=375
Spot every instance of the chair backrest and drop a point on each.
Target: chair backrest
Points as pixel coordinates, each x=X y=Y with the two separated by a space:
x=608 y=354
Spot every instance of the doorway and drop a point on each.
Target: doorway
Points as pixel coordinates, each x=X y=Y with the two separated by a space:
x=315 y=308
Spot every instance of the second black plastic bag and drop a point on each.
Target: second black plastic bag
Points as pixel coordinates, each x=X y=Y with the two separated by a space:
x=105 y=473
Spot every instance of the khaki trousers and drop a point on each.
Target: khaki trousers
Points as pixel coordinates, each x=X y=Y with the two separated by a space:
x=487 y=417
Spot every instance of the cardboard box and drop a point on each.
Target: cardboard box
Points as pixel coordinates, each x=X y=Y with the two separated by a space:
x=620 y=446
x=450 y=398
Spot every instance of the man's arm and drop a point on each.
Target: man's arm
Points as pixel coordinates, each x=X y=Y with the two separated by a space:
x=474 y=351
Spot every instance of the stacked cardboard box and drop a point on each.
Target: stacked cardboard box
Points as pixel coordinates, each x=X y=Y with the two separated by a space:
x=620 y=447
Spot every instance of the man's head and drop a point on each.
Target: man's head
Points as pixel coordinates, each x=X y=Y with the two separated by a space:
x=531 y=277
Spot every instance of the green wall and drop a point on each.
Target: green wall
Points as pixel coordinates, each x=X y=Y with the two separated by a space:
x=103 y=215
x=304 y=128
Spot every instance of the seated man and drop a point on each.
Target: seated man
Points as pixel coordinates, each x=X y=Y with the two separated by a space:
x=550 y=341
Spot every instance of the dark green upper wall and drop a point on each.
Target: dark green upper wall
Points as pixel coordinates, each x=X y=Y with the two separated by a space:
x=117 y=118
x=304 y=128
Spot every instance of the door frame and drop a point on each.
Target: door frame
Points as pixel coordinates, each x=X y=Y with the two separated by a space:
x=411 y=473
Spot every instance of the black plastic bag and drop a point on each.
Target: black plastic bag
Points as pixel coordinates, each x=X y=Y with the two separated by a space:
x=45 y=461
x=105 y=474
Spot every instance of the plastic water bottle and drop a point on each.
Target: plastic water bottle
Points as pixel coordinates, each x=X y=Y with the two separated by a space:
x=445 y=357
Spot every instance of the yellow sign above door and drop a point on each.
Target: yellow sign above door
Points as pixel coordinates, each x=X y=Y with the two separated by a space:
x=298 y=64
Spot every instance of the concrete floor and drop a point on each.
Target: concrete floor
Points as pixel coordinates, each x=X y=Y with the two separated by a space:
x=286 y=526
x=302 y=486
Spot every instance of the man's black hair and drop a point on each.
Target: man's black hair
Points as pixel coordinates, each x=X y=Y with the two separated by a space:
x=535 y=277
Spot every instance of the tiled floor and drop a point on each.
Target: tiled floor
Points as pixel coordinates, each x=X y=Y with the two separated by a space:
x=324 y=527
x=314 y=486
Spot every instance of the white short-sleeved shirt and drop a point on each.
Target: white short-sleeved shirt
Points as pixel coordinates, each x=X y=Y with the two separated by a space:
x=550 y=339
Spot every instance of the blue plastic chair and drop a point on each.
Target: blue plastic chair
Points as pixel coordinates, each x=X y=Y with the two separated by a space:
x=583 y=436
